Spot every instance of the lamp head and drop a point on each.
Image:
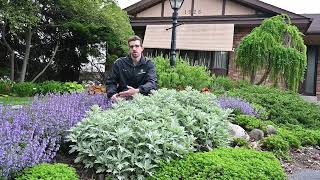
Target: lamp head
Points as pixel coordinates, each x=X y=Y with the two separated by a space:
x=176 y=4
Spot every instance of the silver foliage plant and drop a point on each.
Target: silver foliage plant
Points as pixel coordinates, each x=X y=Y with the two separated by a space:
x=129 y=140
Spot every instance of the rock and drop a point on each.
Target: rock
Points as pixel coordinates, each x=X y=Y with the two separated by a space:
x=271 y=130
x=237 y=131
x=256 y=135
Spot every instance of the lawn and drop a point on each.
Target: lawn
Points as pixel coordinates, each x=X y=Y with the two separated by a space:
x=15 y=100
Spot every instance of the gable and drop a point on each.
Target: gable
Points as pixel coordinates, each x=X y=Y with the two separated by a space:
x=198 y=8
x=233 y=8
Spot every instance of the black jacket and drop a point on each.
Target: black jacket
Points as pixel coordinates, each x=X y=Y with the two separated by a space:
x=125 y=73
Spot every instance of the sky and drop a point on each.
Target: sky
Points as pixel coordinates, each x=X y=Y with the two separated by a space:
x=295 y=6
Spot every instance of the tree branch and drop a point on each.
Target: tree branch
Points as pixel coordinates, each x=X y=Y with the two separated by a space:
x=50 y=61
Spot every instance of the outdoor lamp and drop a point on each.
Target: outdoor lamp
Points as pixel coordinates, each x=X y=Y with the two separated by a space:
x=175 y=5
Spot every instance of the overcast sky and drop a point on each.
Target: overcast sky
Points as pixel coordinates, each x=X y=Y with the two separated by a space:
x=296 y=6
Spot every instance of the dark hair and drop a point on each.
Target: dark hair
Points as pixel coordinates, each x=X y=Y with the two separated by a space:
x=135 y=38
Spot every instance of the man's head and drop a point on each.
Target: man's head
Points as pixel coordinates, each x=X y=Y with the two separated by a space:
x=135 y=47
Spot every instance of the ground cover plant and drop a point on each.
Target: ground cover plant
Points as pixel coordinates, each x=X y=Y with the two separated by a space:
x=130 y=139
x=284 y=107
x=224 y=163
x=48 y=171
x=32 y=134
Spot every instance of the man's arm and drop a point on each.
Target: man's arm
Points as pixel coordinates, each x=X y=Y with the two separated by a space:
x=151 y=80
x=113 y=81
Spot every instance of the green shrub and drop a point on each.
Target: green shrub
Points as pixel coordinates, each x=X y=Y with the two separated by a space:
x=73 y=87
x=6 y=87
x=284 y=107
x=290 y=137
x=50 y=87
x=24 y=89
x=223 y=164
x=182 y=76
x=221 y=84
x=49 y=171
x=134 y=136
x=277 y=145
x=240 y=142
x=249 y=122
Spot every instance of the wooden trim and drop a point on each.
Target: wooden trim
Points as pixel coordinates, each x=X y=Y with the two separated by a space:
x=162 y=9
x=255 y=4
x=224 y=7
x=192 y=7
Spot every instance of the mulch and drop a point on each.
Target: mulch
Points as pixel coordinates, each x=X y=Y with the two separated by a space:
x=305 y=158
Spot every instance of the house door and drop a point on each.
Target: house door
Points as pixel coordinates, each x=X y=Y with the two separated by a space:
x=309 y=84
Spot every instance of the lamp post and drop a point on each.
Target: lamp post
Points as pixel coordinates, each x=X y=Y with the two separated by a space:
x=175 y=5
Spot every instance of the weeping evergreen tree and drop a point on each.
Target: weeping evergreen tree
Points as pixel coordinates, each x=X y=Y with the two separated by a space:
x=277 y=48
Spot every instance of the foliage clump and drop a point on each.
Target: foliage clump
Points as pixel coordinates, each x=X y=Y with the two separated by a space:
x=182 y=75
x=49 y=171
x=223 y=164
x=277 y=47
x=283 y=107
x=130 y=140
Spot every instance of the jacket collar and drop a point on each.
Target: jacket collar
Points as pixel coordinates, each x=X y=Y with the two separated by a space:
x=130 y=61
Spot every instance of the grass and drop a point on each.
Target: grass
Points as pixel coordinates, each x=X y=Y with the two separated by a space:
x=15 y=100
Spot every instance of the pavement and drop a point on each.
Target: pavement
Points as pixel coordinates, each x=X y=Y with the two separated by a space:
x=305 y=174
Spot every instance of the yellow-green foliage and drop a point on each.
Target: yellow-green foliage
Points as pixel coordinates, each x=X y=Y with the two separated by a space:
x=276 y=46
x=49 y=171
x=223 y=164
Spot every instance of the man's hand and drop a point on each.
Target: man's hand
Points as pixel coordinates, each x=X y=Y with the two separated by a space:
x=114 y=97
x=130 y=92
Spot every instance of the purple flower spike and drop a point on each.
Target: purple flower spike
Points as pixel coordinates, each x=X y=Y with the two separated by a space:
x=237 y=104
x=31 y=134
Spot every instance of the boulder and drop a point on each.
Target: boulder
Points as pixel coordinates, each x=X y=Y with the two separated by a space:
x=271 y=130
x=256 y=135
x=237 y=131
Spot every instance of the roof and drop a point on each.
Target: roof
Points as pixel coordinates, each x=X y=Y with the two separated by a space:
x=315 y=25
x=301 y=21
x=256 y=4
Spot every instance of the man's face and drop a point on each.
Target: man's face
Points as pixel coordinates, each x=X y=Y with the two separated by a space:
x=135 y=48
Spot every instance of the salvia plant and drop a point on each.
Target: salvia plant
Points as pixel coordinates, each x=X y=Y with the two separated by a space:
x=129 y=140
x=31 y=134
x=238 y=104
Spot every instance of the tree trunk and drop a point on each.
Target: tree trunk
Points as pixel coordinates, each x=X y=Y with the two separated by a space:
x=265 y=75
x=252 y=77
x=50 y=61
x=12 y=66
x=4 y=40
x=26 y=55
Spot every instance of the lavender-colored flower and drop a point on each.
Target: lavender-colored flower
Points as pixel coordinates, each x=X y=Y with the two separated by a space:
x=31 y=134
x=237 y=104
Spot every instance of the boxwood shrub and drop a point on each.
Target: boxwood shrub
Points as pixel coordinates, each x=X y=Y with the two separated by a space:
x=224 y=163
x=49 y=171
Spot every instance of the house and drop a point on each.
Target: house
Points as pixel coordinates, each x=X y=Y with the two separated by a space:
x=210 y=30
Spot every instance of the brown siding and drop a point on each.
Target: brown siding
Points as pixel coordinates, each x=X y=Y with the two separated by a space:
x=239 y=33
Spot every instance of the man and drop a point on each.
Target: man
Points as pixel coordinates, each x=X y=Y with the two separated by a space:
x=132 y=74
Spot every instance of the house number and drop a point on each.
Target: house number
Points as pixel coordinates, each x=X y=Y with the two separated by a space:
x=194 y=12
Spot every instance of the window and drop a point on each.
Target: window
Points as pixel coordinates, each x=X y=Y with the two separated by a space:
x=215 y=61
